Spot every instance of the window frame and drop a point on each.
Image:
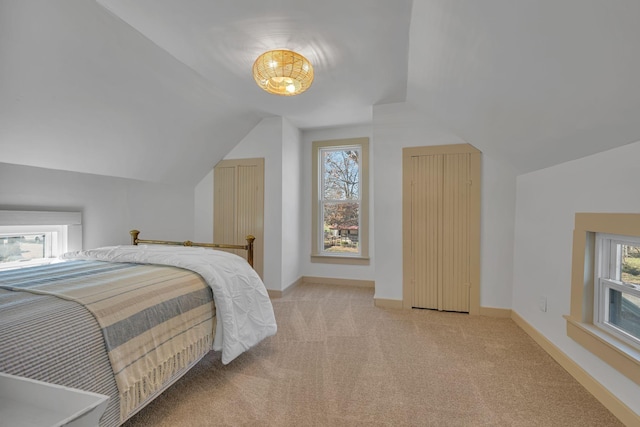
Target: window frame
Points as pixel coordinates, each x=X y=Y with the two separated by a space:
x=619 y=354
x=317 y=228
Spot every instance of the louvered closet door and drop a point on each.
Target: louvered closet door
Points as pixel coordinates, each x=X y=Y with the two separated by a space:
x=239 y=205
x=440 y=231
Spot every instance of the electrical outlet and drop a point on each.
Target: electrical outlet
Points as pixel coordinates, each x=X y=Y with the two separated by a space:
x=542 y=304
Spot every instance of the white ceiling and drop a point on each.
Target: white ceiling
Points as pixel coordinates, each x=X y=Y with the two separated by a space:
x=358 y=48
x=536 y=82
x=160 y=90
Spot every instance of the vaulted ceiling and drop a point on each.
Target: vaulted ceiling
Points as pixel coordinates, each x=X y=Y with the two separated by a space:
x=537 y=82
x=160 y=90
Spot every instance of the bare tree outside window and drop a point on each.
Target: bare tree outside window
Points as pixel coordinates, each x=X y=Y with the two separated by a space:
x=630 y=267
x=340 y=195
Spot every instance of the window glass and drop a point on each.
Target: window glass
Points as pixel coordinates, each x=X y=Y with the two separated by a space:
x=340 y=199
x=23 y=248
x=629 y=263
x=624 y=312
x=341 y=226
x=341 y=174
x=27 y=245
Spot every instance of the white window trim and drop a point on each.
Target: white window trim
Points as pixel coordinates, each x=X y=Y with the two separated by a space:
x=316 y=232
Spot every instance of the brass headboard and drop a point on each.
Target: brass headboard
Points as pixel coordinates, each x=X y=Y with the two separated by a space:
x=248 y=247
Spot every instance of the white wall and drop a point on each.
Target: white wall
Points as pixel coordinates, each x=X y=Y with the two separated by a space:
x=400 y=125
x=203 y=215
x=497 y=215
x=287 y=154
x=292 y=198
x=110 y=206
x=76 y=79
x=278 y=142
x=288 y=202
x=547 y=201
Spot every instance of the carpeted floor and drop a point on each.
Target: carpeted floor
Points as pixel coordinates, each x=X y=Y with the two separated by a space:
x=339 y=361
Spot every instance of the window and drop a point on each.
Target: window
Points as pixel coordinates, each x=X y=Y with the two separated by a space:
x=603 y=307
x=32 y=238
x=340 y=201
x=617 y=293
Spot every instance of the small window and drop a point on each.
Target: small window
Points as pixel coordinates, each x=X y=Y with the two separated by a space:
x=617 y=293
x=33 y=238
x=340 y=202
x=29 y=245
x=599 y=296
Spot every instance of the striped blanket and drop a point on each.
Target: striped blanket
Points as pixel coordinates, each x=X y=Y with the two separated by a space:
x=244 y=311
x=58 y=341
x=156 y=320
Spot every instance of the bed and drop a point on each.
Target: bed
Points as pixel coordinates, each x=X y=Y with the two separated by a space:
x=128 y=321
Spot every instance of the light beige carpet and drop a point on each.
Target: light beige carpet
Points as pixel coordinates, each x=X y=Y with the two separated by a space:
x=339 y=361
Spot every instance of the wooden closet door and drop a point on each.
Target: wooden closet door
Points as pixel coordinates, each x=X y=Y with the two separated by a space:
x=441 y=218
x=454 y=295
x=238 y=205
x=426 y=214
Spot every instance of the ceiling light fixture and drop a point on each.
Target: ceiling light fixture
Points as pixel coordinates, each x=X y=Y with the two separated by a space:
x=283 y=72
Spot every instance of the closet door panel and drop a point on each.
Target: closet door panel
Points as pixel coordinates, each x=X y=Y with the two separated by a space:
x=426 y=216
x=224 y=202
x=441 y=228
x=455 y=229
x=250 y=203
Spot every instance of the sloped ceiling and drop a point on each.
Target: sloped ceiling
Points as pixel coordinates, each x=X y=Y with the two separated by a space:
x=160 y=90
x=534 y=82
x=84 y=92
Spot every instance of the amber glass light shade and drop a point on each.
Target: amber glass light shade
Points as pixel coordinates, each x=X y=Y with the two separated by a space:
x=283 y=72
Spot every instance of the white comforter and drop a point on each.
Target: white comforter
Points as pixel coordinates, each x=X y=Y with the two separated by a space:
x=244 y=310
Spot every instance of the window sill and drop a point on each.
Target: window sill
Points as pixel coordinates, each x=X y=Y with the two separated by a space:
x=621 y=356
x=349 y=260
